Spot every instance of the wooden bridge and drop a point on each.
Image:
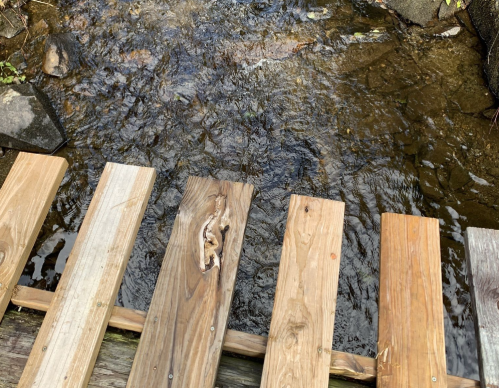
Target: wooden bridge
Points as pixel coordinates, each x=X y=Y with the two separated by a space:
x=184 y=332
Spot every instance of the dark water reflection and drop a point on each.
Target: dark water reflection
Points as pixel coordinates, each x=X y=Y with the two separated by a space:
x=289 y=97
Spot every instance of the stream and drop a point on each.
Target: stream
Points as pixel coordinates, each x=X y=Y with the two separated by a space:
x=333 y=99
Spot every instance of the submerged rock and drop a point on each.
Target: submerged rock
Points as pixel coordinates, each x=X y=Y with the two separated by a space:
x=429 y=184
x=29 y=123
x=485 y=16
x=458 y=178
x=62 y=54
x=11 y=23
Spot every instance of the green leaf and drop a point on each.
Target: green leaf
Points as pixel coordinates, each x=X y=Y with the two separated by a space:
x=311 y=15
x=358 y=34
x=22 y=78
x=458 y=4
x=448 y=2
x=9 y=79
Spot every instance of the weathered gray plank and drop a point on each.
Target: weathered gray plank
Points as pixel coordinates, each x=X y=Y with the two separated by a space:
x=482 y=255
x=19 y=329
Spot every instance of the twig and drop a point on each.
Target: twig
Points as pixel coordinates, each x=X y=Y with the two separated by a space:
x=491 y=47
x=494 y=120
x=43 y=2
x=6 y=18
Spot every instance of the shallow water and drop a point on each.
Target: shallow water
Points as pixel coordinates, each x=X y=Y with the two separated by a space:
x=329 y=99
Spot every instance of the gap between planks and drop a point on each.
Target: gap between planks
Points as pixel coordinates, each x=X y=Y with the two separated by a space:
x=356 y=367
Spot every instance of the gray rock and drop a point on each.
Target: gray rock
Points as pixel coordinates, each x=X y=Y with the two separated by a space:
x=485 y=16
x=458 y=178
x=447 y=11
x=417 y=11
x=429 y=184
x=11 y=24
x=62 y=55
x=29 y=123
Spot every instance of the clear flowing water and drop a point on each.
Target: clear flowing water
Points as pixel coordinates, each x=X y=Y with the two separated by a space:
x=331 y=99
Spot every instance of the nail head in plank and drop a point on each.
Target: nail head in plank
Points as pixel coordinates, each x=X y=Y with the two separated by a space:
x=411 y=348
x=482 y=255
x=181 y=343
x=301 y=329
x=66 y=347
x=25 y=200
x=343 y=364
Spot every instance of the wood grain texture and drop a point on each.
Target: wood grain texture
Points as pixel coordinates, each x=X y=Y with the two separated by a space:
x=25 y=200
x=18 y=331
x=121 y=318
x=301 y=329
x=355 y=367
x=187 y=319
x=411 y=348
x=482 y=255
x=70 y=337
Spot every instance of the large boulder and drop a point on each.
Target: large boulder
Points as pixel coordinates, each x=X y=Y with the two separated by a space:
x=485 y=16
x=417 y=11
x=29 y=123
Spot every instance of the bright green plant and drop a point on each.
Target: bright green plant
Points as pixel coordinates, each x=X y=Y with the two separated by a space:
x=8 y=73
x=458 y=3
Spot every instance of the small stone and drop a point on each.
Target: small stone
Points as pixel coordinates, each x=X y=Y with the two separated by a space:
x=29 y=123
x=494 y=171
x=458 y=178
x=447 y=11
x=443 y=178
x=11 y=23
x=429 y=185
x=62 y=55
x=40 y=28
x=490 y=113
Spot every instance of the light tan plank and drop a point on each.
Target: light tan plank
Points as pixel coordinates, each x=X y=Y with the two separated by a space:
x=25 y=199
x=67 y=345
x=181 y=343
x=359 y=368
x=301 y=329
x=411 y=348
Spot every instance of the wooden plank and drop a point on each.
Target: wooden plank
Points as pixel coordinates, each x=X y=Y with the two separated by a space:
x=17 y=334
x=301 y=329
x=181 y=343
x=121 y=318
x=411 y=348
x=25 y=199
x=359 y=368
x=482 y=255
x=69 y=340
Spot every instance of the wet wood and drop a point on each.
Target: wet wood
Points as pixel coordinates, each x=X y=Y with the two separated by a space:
x=18 y=332
x=121 y=318
x=343 y=364
x=301 y=329
x=67 y=345
x=25 y=200
x=411 y=348
x=482 y=255
x=181 y=343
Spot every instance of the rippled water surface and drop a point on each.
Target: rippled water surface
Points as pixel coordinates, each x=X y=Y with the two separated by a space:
x=332 y=99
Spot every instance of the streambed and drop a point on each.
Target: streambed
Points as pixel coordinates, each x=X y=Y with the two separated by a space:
x=335 y=99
